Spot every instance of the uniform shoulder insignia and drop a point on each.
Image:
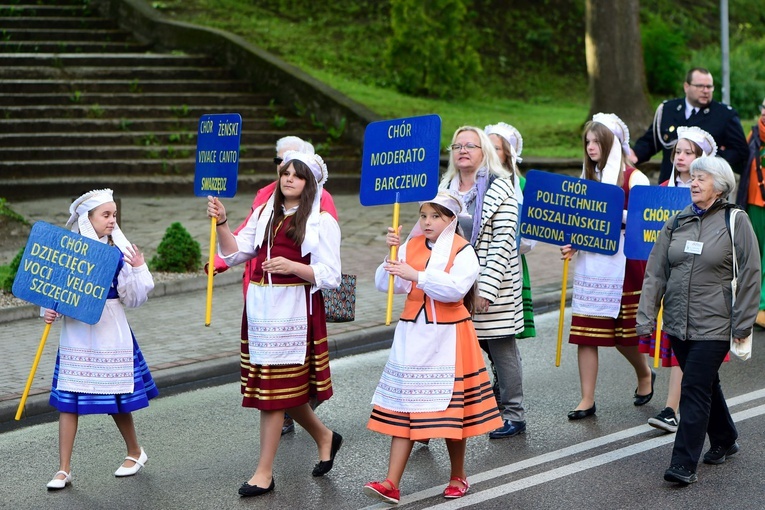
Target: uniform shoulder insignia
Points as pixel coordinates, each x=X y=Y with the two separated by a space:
x=729 y=107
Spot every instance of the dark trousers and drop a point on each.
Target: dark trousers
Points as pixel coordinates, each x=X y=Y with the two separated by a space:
x=702 y=405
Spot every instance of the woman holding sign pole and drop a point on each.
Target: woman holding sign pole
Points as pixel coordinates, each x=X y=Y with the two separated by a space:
x=489 y=195
x=116 y=379
x=608 y=321
x=296 y=252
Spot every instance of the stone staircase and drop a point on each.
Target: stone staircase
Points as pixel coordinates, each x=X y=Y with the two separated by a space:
x=85 y=105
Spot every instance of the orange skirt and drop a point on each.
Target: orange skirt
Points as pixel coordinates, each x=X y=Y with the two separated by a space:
x=472 y=410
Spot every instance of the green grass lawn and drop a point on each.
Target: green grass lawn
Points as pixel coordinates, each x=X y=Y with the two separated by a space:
x=549 y=111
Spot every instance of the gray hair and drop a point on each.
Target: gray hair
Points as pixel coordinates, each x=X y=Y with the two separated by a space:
x=293 y=143
x=721 y=172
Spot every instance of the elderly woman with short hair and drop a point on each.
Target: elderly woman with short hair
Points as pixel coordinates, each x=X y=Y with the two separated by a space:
x=690 y=267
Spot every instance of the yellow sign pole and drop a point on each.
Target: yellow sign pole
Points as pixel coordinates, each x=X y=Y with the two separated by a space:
x=562 y=312
x=32 y=372
x=210 y=272
x=392 y=256
x=657 y=347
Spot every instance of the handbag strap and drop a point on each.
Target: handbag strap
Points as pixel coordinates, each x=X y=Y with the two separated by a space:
x=732 y=230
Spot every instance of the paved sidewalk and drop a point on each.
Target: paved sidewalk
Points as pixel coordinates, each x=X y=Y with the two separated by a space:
x=170 y=326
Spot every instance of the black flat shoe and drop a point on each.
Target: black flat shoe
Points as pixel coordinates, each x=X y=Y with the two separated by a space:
x=578 y=414
x=324 y=466
x=641 y=400
x=247 y=490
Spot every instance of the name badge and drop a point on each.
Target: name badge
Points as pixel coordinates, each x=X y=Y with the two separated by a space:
x=693 y=247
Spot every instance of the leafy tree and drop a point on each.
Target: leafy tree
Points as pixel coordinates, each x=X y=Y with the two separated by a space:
x=429 y=51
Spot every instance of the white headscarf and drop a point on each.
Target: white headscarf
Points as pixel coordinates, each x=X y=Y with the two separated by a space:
x=511 y=135
x=699 y=137
x=613 y=166
x=80 y=223
x=311 y=239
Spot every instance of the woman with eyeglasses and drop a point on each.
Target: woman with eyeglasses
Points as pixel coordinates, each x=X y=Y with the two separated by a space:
x=491 y=225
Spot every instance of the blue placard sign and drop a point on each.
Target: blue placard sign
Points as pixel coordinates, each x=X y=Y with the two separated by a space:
x=217 y=163
x=649 y=209
x=400 y=160
x=66 y=271
x=558 y=209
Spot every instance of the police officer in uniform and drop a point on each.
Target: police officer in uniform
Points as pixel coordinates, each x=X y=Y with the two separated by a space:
x=697 y=108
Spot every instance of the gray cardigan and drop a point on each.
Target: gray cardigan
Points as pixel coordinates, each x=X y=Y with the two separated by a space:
x=696 y=288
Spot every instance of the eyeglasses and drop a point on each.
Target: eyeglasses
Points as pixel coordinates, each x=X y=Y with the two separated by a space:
x=701 y=86
x=468 y=146
x=278 y=160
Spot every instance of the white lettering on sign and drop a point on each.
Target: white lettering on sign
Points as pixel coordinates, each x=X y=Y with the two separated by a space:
x=398 y=157
x=207 y=157
x=206 y=127
x=228 y=129
x=401 y=182
x=228 y=156
x=401 y=131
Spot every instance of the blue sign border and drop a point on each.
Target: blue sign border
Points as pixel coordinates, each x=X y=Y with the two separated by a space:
x=560 y=210
x=649 y=209
x=67 y=272
x=216 y=169
x=401 y=160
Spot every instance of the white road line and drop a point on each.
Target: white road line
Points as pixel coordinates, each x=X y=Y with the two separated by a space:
x=576 y=467
x=566 y=452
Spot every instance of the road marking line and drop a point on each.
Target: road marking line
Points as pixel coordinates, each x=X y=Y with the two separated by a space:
x=566 y=452
x=576 y=467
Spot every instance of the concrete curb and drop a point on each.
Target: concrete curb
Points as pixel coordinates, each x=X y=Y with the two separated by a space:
x=167 y=288
x=204 y=373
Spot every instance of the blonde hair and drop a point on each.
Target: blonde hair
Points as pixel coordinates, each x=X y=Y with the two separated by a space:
x=490 y=160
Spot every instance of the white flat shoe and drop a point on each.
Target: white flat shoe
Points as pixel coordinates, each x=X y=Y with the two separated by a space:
x=130 y=471
x=58 y=483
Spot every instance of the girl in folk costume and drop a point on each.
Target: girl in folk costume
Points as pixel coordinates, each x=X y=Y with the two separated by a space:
x=435 y=382
x=508 y=143
x=607 y=287
x=296 y=251
x=692 y=143
x=99 y=368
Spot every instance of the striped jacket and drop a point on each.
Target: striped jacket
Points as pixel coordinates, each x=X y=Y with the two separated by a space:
x=501 y=279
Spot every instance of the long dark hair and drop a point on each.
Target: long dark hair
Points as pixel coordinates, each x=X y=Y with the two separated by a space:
x=469 y=298
x=296 y=231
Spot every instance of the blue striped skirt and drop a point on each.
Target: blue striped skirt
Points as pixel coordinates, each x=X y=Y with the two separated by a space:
x=86 y=403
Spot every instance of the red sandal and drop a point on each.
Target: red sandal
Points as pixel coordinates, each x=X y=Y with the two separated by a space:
x=454 y=491
x=380 y=491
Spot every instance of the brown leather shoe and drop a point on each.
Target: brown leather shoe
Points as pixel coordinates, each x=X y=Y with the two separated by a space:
x=760 y=320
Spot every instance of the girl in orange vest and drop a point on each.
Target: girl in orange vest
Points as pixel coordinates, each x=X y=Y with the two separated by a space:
x=435 y=382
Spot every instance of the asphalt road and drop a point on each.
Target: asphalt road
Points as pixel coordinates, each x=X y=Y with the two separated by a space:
x=202 y=445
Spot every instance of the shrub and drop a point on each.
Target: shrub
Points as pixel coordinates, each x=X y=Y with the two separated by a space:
x=178 y=252
x=7 y=282
x=747 y=73
x=664 y=51
x=429 y=50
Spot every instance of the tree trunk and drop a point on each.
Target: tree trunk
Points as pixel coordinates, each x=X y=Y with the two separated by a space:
x=615 y=66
